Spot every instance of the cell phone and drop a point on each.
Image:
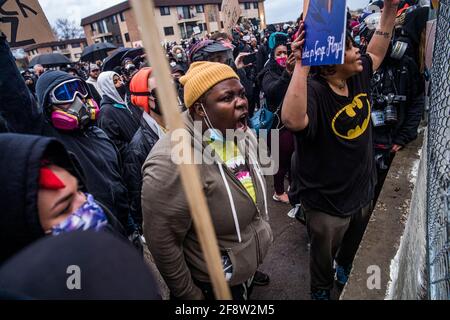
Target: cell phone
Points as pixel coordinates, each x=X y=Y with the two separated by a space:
x=251 y=58
x=289 y=49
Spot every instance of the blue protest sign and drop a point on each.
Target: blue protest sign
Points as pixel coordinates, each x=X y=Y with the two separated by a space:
x=325 y=24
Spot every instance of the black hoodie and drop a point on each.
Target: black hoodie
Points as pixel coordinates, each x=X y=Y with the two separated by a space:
x=19 y=164
x=19 y=217
x=94 y=151
x=274 y=81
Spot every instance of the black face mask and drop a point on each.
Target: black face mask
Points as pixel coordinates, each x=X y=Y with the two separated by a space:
x=122 y=90
x=157 y=108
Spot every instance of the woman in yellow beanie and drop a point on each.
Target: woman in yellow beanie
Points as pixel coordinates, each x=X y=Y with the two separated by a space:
x=233 y=184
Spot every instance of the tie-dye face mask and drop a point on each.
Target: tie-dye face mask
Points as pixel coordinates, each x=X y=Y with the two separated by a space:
x=89 y=216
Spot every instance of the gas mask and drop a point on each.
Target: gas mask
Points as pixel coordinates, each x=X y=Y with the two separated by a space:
x=79 y=114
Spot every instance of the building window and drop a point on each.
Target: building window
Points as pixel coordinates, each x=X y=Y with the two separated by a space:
x=102 y=28
x=183 y=12
x=93 y=29
x=62 y=46
x=122 y=17
x=76 y=45
x=221 y=24
x=168 y=31
x=127 y=37
x=200 y=8
x=118 y=39
x=247 y=6
x=114 y=19
x=255 y=5
x=165 y=11
x=220 y=7
x=55 y=48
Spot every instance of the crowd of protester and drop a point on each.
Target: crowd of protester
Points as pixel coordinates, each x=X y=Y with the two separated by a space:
x=87 y=148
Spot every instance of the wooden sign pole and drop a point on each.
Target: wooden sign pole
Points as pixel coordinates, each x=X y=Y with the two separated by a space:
x=144 y=11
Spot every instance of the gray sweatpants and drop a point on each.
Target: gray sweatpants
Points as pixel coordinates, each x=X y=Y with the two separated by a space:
x=333 y=238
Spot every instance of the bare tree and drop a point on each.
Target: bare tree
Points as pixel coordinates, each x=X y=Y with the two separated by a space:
x=66 y=29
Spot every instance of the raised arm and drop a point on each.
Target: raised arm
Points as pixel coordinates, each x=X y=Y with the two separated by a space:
x=379 y=44
x=293 y=112
x=16 y=103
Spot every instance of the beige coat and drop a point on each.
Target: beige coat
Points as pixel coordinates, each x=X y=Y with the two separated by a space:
x=168 y=226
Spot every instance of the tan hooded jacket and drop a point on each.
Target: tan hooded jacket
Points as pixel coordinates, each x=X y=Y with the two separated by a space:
x=241 y=225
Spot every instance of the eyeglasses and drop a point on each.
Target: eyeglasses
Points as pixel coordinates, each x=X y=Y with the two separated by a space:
x=67 y=91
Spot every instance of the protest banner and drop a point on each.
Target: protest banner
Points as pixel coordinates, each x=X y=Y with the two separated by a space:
x=24 y=23
x=325 y=26
x=231 y=12
x=190 y=177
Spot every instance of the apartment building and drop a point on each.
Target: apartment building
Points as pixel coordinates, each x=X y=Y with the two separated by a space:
x=72 y=49
x=176 y=20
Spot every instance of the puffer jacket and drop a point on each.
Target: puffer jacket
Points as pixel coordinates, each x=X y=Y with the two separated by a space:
x=135 y=155
x=242 y=229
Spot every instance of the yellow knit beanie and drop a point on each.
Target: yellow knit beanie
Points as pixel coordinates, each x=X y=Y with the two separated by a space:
x=201 y=77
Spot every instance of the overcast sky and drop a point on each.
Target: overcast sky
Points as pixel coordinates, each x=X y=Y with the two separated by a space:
x=276 y=10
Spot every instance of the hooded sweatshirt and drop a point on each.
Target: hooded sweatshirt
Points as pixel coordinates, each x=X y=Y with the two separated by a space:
x=19 y=220
x=19 y=217
x=119 y=121
x=240 y=224
x=95 y=152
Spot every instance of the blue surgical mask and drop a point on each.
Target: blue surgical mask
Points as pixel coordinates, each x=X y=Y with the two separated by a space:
x=90 y=216
x=214 y=134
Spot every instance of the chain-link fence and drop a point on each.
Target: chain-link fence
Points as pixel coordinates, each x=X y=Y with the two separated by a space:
x=438 y=194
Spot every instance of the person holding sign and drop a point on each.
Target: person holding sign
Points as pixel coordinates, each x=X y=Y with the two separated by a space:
x=330 y=115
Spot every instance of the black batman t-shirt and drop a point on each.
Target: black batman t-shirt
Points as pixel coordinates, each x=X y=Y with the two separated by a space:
x=335 y=171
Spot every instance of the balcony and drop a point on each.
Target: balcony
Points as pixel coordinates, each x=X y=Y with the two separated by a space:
x=101 y=35
x=182 y=19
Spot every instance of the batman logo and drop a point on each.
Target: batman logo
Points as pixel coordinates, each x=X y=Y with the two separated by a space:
x=352 y=121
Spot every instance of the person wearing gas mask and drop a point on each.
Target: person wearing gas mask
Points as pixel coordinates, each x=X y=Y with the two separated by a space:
x=118 y=119
x=329 y=112
x=152 y=128
x=45 y=194
x=67 y=112
x=234 y=187
x=274 y=81
x=397 y=102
